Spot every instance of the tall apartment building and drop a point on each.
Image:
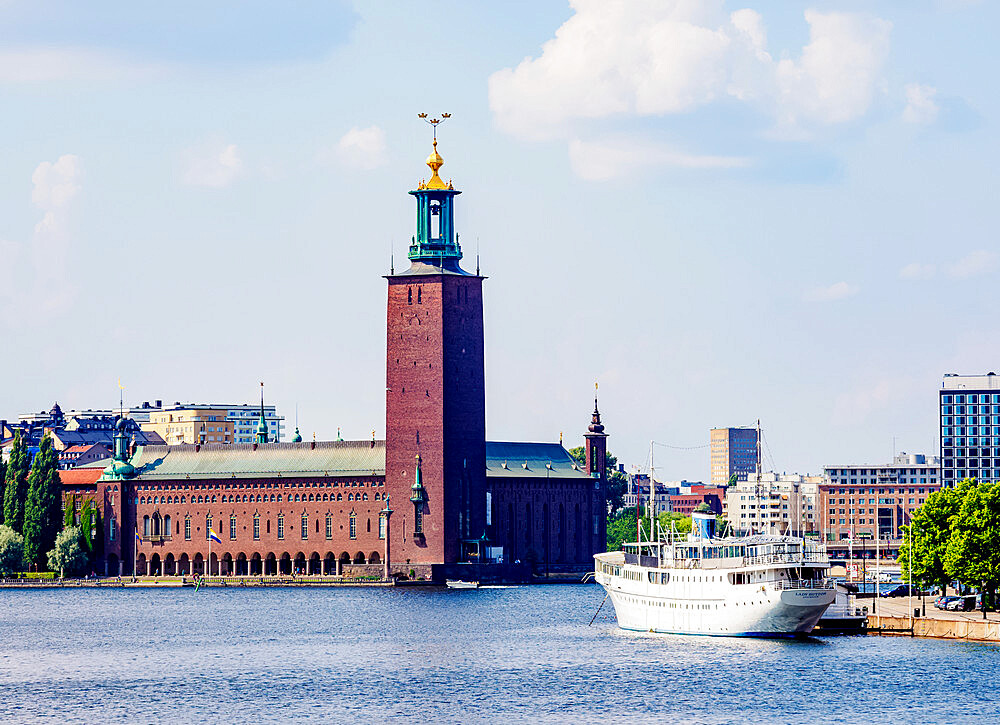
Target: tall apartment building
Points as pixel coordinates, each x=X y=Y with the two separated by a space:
x=783 y=503
x=969 y=412
x=862 y=500
x=732 y=450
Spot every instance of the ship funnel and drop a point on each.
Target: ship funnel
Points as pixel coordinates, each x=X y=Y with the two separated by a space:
x=703 y=525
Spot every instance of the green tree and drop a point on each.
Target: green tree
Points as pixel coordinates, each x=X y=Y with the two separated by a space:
x=66 y=556
x=617 y=481
x=43 y=509
x=3 y=482
x=973 y=551
x=928 y=534
x=91 y=534
x=621 y=529
x=16 y=489
x=11 y=551
x=670 y=521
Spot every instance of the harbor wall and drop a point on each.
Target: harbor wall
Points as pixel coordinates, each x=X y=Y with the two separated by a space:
x=972 y=629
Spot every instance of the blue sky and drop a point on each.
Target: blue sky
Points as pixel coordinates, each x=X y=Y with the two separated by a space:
x=721 y=211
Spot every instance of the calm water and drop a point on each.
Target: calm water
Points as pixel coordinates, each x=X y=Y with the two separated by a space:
x=493 y=655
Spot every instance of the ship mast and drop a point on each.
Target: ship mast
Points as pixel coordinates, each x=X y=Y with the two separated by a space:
x=652 y=489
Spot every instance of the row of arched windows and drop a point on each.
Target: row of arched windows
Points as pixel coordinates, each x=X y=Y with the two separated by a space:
x=260 y=498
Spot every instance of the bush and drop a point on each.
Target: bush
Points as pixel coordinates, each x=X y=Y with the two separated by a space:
x=11 y=551
x=67 y=557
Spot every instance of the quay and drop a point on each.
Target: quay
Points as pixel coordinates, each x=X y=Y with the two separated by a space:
x=893 y=619
x=213 y=581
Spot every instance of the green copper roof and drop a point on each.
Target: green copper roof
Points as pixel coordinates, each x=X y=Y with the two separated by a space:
x=333 y=458
x=346 y=458
x=530 y=460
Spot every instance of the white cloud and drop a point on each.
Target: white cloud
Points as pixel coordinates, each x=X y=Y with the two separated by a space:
x=54 y=65
x=920 y=104
x=608 y=159
x=35 y=279
x=836 y=77
x=618 y=57
x=363 y=148
x=836 y=291
x=55 y=184
x=973 y=264
x=916 y=270
x=215 y=169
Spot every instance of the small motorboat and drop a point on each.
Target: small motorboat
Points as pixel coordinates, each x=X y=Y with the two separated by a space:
x=460 y=584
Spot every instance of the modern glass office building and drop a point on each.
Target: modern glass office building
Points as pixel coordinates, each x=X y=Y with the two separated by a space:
x=969 y=408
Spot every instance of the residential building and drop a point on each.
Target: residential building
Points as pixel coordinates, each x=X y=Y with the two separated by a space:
x=191 y=424
x=876 y=500
x=732 y=451
x=80 y=455
x=969 y=415
x=783 y=503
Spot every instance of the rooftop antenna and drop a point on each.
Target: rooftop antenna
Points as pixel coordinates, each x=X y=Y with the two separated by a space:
x=477 y=256
x=392 y=260
x=121 y=399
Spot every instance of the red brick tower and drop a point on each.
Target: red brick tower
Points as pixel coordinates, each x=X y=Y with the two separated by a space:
x=596 y=453
x=435 y=390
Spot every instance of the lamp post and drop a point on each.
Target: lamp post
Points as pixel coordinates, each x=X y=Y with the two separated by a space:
x=387 y=512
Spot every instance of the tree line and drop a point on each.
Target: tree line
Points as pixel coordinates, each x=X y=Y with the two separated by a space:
x=34 y=534
x=955 y=535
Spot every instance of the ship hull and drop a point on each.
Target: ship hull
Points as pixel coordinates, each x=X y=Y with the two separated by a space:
x=704 y=603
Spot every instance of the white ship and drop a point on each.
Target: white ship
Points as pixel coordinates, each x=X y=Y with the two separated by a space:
x=761 y=585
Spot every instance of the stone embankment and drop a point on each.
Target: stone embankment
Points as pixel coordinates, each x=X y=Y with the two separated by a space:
x=215 y=581
x=892 y=618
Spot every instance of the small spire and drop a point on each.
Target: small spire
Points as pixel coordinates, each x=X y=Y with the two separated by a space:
x=261 y=423
x=595 y=420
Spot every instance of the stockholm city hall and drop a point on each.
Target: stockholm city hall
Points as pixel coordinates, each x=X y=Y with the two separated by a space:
x=435 y=499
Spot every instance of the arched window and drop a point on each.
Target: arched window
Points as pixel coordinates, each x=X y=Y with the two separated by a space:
x=208 y=525
x=409 y=295
x=354 y=525
x=369 y=526
x=419 y=296
x=281 y=526
x=167 y=531
x=213 y=499
x=340 y=496
x=145 y=526
x=364 y=497
x=232 y=527
x=187 y=528
x=305 y=526
x=256 y=527
x=381 y=526
x=329 y=526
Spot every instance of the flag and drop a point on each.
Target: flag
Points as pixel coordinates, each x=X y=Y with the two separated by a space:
x=138 y=539
x=214 y=536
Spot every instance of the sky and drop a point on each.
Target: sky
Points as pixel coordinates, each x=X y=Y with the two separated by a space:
x=721 y=211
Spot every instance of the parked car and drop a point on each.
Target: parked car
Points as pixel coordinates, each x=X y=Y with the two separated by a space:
x=945 y=602
x=902 y=590
x=961 y=604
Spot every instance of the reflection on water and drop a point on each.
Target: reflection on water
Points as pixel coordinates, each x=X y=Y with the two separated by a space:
x=487 y=655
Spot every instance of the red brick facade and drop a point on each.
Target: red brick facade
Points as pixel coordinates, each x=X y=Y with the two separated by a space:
x=436 y=406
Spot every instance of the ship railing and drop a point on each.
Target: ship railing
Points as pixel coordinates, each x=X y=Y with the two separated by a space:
x=786 y=559
x=782 y=585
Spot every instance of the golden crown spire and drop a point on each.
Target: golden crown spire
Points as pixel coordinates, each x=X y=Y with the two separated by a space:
x=434 y=161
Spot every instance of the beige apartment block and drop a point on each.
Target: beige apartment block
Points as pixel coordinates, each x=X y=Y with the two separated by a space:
x=193 y=424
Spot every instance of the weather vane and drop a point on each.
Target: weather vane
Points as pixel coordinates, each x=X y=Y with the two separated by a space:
x=434 y=121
